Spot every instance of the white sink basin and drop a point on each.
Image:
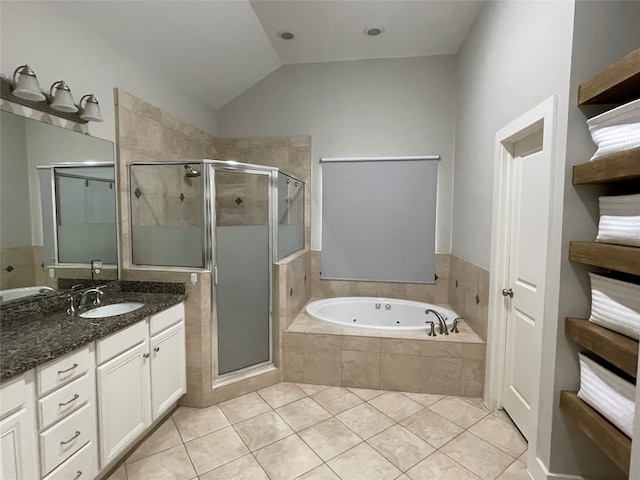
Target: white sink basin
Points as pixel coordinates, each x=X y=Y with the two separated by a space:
x=111 y=310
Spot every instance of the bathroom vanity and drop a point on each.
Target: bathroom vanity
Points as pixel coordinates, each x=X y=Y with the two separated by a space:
x=77 y=393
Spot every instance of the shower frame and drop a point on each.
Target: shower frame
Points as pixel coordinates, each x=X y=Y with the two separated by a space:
x=208 y=243
x=209 y=211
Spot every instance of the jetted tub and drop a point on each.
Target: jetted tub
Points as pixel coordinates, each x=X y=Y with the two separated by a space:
x=379 y=313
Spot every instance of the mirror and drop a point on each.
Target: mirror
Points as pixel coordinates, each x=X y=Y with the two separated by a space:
x=58 y=227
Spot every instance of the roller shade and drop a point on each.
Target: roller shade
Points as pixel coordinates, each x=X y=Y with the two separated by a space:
x=378 y=218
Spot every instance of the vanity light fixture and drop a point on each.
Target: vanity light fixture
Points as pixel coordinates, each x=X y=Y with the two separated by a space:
x=23 y=88
x=62 y=100
x=27 y=86
x=91 y=111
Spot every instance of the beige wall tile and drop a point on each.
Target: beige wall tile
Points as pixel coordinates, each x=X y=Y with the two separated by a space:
x=323 y=367
x=362 y=344
x=441 y=376
x=329 y=342
x=401 y=347
x=441 y=349
x=472 y=381
x=360 y=369
x=401 y=372
x=474 y=350
x=293 y=364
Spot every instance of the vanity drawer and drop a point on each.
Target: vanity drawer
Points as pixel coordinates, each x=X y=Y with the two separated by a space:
x=62 y=370
x=13 y=395
x=166 y=318
x=66 y=399
x=66 y=437
x=122 y=341
x=83 y=465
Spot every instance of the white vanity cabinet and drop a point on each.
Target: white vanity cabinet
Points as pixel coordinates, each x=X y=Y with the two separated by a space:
x=141 y=373
x=66 y=414
x=124 y=410
x=168 y=359
x=18 y=447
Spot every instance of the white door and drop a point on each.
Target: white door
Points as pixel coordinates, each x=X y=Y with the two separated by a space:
x=124 y=404
x=524 y=293
x=168 y=370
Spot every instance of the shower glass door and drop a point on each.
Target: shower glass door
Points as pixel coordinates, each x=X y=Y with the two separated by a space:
x=242 y=245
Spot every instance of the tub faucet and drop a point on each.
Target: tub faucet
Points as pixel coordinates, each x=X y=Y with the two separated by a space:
x=432 y=330
x=85 y=295
x=443 y=325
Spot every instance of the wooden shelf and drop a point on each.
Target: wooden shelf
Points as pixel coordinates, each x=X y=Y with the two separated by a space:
x=619 y=83
x=615 y=348
x=614 y=257
x=613 y=168
x=615 y=444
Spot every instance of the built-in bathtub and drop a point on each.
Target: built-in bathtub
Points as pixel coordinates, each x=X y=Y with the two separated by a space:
x=329 y=353
x=380 y=313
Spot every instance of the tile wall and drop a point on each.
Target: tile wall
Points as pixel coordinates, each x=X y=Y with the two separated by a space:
x=22 y=267
x=436 y=293
x=469 y=293
x=146 y=133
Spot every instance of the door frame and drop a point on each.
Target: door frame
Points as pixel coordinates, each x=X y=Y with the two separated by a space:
x=209 y=212
x=541 y=117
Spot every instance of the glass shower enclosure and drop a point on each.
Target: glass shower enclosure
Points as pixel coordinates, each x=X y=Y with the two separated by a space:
x=222 y=216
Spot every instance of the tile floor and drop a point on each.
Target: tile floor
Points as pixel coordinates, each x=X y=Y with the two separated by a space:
x=312 y=432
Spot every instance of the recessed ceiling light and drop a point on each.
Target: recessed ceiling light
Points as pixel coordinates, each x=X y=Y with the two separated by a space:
x=285 y=34
x=373 y=31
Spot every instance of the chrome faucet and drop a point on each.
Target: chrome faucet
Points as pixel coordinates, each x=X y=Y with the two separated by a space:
x=85 y=295
x=443 y=325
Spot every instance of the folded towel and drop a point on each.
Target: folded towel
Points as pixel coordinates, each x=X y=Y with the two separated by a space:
x=607 y=393
x=619 y=220
x=615 y=305
x=616 y=130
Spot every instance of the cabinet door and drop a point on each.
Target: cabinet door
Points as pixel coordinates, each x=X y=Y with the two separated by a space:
x=124 y=406
x=18 y=447
x=168 y=368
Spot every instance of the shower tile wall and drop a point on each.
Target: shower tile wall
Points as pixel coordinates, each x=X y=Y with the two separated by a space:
x=146 y=133
x=469 y=293
x=291 y=154
x=22 y=267
x=435 y=293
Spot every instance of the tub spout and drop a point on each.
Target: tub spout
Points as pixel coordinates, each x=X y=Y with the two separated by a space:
x=443 y=325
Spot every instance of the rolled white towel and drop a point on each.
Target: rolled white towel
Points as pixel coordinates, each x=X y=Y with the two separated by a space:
x=609 y=394
x=615 y=305
x=619 y=220
x=616 y=130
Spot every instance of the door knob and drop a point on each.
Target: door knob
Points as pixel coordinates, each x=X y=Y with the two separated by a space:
x=507 y=292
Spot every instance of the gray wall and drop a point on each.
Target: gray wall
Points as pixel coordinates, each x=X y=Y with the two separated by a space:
x=58 y=44
x=15 y=226
x=604 y=31
x=390 y=107
x=516 y=55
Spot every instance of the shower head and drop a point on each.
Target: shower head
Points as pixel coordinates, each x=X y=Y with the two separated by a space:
x=190 y=171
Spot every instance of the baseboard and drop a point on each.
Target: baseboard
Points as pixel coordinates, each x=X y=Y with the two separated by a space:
x=539 y=471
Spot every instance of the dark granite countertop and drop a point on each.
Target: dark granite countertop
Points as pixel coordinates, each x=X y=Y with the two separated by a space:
x=42 y=331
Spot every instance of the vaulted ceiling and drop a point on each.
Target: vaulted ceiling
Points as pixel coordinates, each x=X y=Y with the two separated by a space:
x=217 y=49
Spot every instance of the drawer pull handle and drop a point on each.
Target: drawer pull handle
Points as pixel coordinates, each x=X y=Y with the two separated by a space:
x=75 y=365
x=72 y=438
x=146 y=355
x=75 y=397
x=157 y=349
x=78 y=475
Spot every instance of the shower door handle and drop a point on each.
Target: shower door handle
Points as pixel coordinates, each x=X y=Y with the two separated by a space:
x=215 y=275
